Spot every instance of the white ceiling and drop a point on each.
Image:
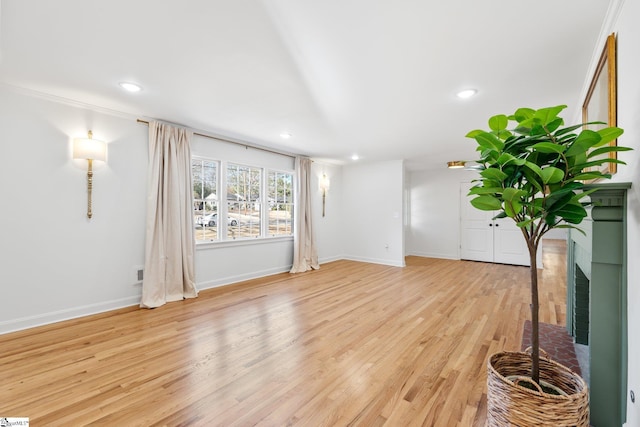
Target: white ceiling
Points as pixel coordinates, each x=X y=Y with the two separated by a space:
x=372 y=77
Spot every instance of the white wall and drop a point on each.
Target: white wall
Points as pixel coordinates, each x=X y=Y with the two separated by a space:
x=328 y=229
x=435 y=212
x=56 y=263
x=626 y=26
x=373 y=211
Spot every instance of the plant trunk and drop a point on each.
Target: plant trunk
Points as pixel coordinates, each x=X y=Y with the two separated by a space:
x=535 y=308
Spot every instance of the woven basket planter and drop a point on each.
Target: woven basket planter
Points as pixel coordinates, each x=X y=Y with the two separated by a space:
x=510 y=404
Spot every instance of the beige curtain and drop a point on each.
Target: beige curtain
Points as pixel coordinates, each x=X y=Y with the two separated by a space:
x=169 y=273
x=305 y=253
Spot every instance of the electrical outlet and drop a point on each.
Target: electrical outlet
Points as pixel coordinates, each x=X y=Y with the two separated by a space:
x=138 y=274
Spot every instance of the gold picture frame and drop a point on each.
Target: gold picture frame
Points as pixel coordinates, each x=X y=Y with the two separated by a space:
x=600 y=104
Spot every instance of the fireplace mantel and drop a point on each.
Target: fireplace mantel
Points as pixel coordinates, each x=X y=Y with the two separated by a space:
x=596 y=270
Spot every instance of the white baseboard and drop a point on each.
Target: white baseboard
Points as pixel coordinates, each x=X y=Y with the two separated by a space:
x=330 y=259
x=375 y=261
x=19 y=324
x=434 y=255
x=241 y=278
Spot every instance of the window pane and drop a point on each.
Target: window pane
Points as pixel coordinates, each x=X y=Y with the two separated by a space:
x=205 y=199
x=243 y=201
x=280 y=199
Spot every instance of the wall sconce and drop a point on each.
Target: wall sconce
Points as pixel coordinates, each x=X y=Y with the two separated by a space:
x=456 y=164
x=324 y=187
x=89 y=149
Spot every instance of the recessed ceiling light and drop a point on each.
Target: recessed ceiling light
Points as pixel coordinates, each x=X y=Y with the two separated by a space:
x=355 y=157
x=131 y=87
x=467 y=93
x=285 y=135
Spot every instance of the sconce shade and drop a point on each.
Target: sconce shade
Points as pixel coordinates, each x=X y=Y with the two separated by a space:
x=89 y=149
x=456 y=164
x=325 y=184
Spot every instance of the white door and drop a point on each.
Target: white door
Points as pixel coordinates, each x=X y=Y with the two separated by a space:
x=509 y=244
x=476 y=237
x=485 y=239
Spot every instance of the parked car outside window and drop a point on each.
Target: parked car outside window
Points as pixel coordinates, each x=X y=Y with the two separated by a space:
x=211 y=220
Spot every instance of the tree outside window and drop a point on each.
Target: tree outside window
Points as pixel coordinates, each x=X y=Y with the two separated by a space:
x=280 y=202
x=204 y=175
x=243 y=201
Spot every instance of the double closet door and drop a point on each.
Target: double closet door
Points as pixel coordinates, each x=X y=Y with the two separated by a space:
x=485 y=239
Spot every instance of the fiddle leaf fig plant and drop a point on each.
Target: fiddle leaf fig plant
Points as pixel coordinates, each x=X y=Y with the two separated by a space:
x=534 y=173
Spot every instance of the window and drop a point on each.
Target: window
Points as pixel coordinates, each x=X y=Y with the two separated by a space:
x=257 y=202
x=280 y=202
x=205 y=198
x=243 y=201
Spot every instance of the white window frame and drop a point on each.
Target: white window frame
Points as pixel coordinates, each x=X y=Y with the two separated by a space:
x=217 y=191
x=292 y=202
x=223 y=211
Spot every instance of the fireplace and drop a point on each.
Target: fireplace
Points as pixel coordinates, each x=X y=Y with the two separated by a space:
x=581 y=307
x=597 y=300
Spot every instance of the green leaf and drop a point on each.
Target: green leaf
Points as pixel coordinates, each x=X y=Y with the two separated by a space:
x=533 y=179
x=494 y=174
x=609 y=134
x=585 y=140
x=607 y=149
x=484 y=190
x=549 y=147
x=486 y=203
x=506 y=158
x=489 y=183
x=554 y=124
x=586 y=176
x=598 y=162
x=522 y=114
x=489 y=141
x=538 y=130
x=523 y=224
x=511 y=209
x=504 y=134
x=571 y=227
x=549 y=114
x=557 y=194
x=474 y=133
x=511 y=194
x=551 y=175
x=572 y=214
x=500 y=215
x=498 y=122
x=523 y=130
x=579 y=196
x=553 y=204
x=576 y=160
x=568 y=129
x=534 y=168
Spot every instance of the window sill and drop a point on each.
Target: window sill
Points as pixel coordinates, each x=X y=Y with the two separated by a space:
x=241 y=242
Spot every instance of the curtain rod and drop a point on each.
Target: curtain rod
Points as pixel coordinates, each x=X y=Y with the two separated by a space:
x=281 y=153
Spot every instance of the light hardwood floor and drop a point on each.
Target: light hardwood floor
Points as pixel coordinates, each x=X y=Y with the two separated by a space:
x=349 y=344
